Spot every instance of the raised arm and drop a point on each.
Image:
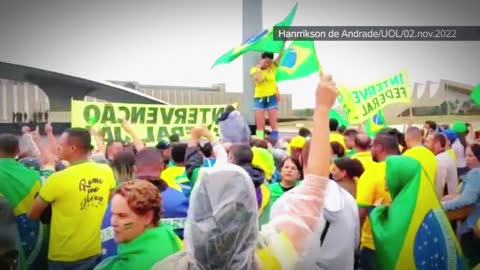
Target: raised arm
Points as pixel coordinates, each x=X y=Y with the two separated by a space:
x=52 y=141
x=101 y=148
x=139 y=145
x=280 y=54
x=48 y=158
x=298 y=212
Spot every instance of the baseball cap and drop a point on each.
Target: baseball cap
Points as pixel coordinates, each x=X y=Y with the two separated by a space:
x=163 y=144
x=297 y=142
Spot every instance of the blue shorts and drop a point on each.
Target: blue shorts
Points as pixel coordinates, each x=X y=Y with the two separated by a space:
x=265 y=103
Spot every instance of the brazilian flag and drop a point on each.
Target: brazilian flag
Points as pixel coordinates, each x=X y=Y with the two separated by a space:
x=298 y=61
x=375 y=124
x=19 y=186
x=413 y=232
x=260 y=42
x=475 y=95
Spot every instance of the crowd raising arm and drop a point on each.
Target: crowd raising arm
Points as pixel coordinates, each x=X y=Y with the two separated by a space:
x=298 y=213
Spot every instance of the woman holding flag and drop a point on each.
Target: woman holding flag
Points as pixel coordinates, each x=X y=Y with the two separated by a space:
x=266 y=95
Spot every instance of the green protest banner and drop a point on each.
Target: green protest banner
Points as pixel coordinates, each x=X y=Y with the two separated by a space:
x=150 y=122
x=361 y=103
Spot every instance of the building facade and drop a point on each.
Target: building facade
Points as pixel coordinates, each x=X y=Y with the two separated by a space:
x=30 y=100
x=443 y=102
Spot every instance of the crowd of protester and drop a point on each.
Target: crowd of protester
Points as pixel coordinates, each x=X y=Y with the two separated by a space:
x=233 y=202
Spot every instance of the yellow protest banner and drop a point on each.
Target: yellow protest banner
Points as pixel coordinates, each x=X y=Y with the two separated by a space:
x=361 y=103
x=150 y=122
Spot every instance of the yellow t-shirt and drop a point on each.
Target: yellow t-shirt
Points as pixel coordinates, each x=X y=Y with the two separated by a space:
x=169 y=174
x=337 y=137
x=371 y=187
x=268 y=87
x=365 y=158
x=426 y=158
x=79 y=196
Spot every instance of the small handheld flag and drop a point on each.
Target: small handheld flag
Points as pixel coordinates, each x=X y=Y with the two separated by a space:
x=375 y=123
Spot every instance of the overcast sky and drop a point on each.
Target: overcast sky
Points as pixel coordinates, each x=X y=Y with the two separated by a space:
x=176 y=42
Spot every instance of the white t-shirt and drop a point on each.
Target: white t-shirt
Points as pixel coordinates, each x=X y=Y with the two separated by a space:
x=460 y=153
x=446 y=174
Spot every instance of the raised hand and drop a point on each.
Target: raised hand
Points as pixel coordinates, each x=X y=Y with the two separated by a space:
x=48 y=128
x=326 y=93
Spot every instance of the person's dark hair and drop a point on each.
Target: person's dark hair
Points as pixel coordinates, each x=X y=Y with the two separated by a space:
x=476 y=150
x=431 y=124
x=259 y=143
x=337 y=149
x=463 y=141
x=397 y=134
x=350 y=132
x=174 y=138
x=123 y=165
x=81 y=138
x=297 y=163
x=304 y=132
x=333 y=123
x=389 y=142
x=241 y=154
x=439 y=137
x=178 y=152
x=9 y=144
x=341 y=129
x=353 y=167
x=268 y=55
x=229 y=108
x=207 y=149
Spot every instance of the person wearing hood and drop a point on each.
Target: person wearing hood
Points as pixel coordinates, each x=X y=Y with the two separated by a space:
x=232 y=127
x=142 y=241
x=291 y=173
x=222 y=229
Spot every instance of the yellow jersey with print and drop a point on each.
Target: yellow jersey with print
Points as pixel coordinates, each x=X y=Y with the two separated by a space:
x=426 y=158
x=79 y=196
x=371 y=189
x=170 y=174
x=268 y=87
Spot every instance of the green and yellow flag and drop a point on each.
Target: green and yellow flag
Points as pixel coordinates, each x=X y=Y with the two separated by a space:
x=413 y=232
x=260 y=42
x=299 y=60
x=375 y=123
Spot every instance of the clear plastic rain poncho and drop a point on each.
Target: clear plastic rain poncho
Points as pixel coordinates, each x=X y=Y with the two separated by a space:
x=221 y=231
